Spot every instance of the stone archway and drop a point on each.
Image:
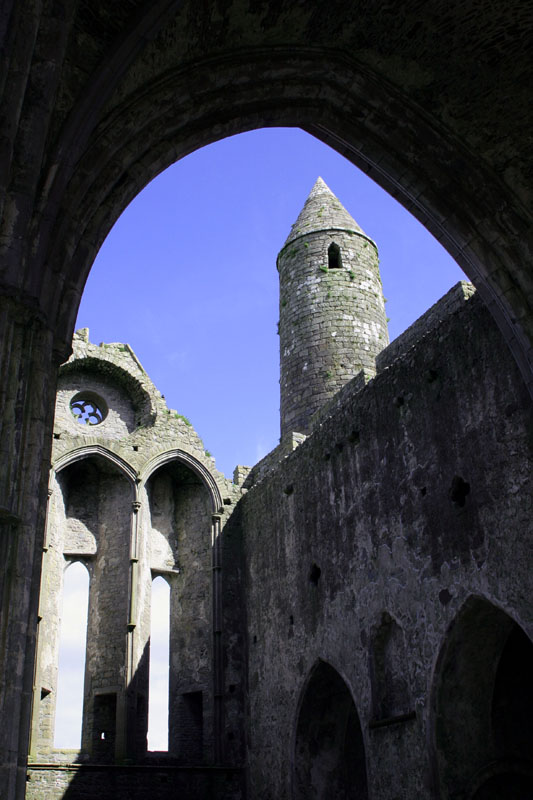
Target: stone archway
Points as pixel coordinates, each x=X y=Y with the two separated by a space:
x=329 y=754
x=483 y=707
x=441 y=121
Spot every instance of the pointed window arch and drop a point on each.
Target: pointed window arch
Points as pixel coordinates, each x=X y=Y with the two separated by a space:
x=72 y=653
x=158 y=691
x=334 y=256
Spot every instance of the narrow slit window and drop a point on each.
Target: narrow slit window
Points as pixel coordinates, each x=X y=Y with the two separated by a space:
x=334 y=256
x=72 y=651
x=159 y=666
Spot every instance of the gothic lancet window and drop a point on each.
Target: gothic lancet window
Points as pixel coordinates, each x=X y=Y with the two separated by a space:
x=72 y=650
x=159 y=666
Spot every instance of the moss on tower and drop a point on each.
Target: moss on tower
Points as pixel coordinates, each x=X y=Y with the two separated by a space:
x=332 y=311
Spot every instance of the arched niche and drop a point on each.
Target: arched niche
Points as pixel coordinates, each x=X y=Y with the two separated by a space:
x=176 y=542
x=89 y=522
x=482 y=710
x=329 y=754
x=389 y=670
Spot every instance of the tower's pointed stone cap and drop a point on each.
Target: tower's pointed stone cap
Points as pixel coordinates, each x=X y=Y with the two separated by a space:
x=322 y=211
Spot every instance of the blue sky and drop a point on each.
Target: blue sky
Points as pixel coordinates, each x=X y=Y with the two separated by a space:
x=188 y=277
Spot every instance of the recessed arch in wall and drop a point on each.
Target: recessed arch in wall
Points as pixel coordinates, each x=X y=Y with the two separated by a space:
x=191 y=463
x=179 y=496
x=329 y=752
x=482 y=707
x=89 y=521
x=88 y=451
x=119 y=378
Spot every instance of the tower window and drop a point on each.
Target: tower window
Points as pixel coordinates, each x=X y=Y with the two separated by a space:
x=334 y=256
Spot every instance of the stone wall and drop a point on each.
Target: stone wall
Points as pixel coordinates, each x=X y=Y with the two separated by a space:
x=133 y=495
x=421 y=498
x=135 y=783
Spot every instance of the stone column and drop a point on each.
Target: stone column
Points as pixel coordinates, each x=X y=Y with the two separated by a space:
x=28 y=366
x=131 y=721
x=218 y=664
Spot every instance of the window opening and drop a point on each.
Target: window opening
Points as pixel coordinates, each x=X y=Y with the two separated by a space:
x=159 y=666
x=72 y=651
x=88 y=408
x=334 y=256
x=104 y=727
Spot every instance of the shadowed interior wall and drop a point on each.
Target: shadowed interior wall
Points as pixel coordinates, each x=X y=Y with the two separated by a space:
x=366 y=540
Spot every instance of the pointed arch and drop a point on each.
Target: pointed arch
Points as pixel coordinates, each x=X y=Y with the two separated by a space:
x=482 y=707
x=86 y=451
x=329 y=754
x=189 y=461
x=181 y=527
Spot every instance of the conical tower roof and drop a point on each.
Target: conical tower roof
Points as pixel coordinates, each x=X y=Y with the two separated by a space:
x=322 y=211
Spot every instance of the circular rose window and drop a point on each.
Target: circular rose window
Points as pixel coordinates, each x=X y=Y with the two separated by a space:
x=88 y=408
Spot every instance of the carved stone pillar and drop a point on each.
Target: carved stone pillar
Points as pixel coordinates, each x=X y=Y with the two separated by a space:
x=28 y=367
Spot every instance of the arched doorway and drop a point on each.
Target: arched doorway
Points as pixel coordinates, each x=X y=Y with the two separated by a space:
x=483 y=707
x=329 y=755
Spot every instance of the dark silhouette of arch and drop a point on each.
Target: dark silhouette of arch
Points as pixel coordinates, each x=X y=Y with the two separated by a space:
x=483 y=707
x=329 y=757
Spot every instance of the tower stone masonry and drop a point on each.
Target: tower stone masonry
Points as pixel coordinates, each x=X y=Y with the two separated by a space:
x=332 y=320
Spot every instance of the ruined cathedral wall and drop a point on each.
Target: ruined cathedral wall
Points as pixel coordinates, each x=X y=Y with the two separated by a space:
x=412 y=496
x=133 y=495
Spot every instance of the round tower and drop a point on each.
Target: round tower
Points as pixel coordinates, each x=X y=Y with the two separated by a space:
x=332 y=320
